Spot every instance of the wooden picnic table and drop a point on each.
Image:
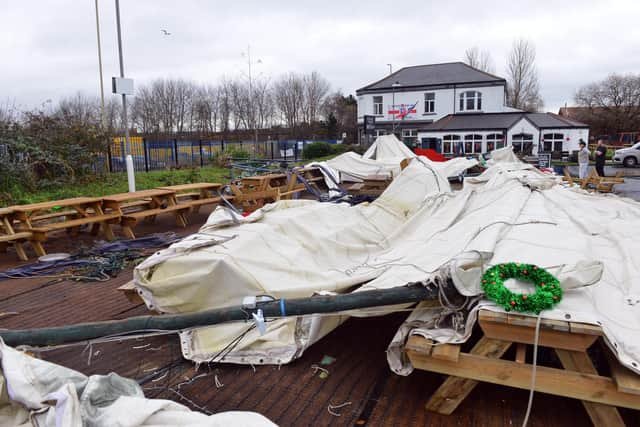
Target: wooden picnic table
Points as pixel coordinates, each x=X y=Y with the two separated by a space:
x=8 y=235
x=578 y=378
x=265 y=182
x=196 y=194
x=151 y=203
x=39 y=219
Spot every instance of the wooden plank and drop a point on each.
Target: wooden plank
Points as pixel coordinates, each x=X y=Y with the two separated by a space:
x=446 y=352
x=560 y=382
x=158 y=211
x=521 y=353
x=585 y=328
x=76 y=222
x=601 y=415
x=419 y=344
x=15 y=236
x=525 y=334
x=123 y=197
x=455 y=389
x=626 y=380
x=192 y=186
x=35 y=207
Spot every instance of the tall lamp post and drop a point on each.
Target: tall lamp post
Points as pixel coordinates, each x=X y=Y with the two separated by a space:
x=255 y=127
x=102 y=114
x=129 y=160
x=393 y=106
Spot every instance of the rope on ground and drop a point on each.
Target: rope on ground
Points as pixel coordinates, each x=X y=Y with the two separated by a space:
x=331 y=408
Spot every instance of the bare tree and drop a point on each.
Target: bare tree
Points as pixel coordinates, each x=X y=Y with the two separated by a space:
x=522 y=76
x=479 y=59
x=289 y=98
x=316 y=88
x=263 y=103
x=205 y=109
x=79 y=108
x=613 y=104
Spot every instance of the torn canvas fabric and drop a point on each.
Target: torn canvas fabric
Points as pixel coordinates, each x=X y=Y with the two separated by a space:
x=416 y=231
x=37 y=393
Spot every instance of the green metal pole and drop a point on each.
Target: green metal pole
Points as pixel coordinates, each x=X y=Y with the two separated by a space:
x=273 y=309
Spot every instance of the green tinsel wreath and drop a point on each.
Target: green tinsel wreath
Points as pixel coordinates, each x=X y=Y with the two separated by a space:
x=548 y=290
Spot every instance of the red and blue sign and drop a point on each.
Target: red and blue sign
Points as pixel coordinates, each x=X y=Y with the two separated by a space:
x=403 y=110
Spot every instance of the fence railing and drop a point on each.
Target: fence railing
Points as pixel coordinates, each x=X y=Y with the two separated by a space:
x=155 y=155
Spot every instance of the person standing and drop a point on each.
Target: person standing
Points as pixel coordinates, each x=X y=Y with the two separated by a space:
x=583 y=160
x=601 y=154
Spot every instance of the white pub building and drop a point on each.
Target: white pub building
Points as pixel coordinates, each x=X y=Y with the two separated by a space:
x=456 y=110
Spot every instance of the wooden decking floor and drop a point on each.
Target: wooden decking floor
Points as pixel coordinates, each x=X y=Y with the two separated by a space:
x=290 y=395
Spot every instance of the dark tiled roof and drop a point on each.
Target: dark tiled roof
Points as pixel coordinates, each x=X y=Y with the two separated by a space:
x=491 y=121
x=476 y=121
x=550 y=120
x=433 y=75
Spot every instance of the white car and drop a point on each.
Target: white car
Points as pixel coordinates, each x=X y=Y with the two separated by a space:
x=628 y=156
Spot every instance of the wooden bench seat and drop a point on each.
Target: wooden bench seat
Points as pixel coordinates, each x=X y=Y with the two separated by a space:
x=53 y=215
x=76 y=222
x=153 y=212
x=135 y=204
x=200 y=202
x=193 y=195
x=15 y=236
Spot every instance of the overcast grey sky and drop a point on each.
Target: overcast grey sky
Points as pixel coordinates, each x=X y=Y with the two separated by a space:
x=48 y=48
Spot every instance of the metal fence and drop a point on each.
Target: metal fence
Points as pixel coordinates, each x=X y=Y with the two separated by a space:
x=155 y=155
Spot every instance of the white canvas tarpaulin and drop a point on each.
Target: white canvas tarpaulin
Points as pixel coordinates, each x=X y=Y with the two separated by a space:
x=37 y=393
x=388 y=147
x=417 y=231
x=383 y=158
x=293 y=248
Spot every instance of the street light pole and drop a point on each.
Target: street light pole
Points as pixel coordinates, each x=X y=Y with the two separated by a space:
x=253 y=118
x=390 y=69
x=393 y=107
x=129 y=160
x=102 y=114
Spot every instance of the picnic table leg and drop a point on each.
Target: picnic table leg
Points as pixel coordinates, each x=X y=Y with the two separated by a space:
x=37 y=247
x=180 y=218
x=601 y=415
x=16 y=244
x=127 y=230
x=106 y=227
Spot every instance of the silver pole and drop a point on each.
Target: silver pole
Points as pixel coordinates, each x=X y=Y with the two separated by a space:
x=127 y=141
x=393 y=108
x=102 y=114
x=253 y=116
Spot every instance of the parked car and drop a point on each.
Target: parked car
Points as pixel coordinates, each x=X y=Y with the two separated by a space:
x=628 y=156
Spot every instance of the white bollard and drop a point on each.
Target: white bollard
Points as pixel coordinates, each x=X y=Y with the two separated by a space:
x=131 y=179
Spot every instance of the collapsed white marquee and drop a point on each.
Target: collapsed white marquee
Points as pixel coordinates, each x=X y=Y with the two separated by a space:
x=417 y=231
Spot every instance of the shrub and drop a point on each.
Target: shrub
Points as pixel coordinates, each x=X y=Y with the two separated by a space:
x=340 y=148
x=239 y=154
x=317 y=149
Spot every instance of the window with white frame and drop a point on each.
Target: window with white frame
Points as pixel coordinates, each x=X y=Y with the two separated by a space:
x=472 y=144
x=471 y=100
x=429 y=102
x=410 y=136
x=380 y=132
x=522 y=143
x=449 y=144
x=552 y=141
x=495 y=141
x=377 y=106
